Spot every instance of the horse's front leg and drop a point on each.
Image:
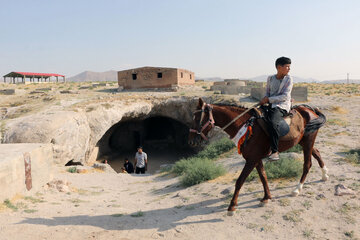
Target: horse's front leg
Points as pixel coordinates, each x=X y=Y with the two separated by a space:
x=249 y=166
x=261 y=171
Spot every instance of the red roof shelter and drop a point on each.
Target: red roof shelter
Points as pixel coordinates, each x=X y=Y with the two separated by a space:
x=41 y=77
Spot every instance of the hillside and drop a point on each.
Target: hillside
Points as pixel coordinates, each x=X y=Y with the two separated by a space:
x=89 y=76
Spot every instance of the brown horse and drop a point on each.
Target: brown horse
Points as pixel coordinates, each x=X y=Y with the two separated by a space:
x=257 y=146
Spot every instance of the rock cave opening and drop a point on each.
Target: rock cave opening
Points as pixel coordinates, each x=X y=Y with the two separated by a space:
x=162 y=138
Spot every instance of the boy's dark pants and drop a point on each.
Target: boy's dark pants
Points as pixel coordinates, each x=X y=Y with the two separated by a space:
x=273 y=116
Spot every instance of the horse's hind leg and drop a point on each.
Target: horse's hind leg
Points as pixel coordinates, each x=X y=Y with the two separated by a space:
x=261 y=171
x=249 y=166
x=307 y=144
x=324 y=170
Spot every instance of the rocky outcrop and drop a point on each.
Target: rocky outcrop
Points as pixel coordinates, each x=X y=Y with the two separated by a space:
x=74 y=134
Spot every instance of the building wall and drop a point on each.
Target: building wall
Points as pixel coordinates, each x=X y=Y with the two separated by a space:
x=185 y=77
x=147 y=77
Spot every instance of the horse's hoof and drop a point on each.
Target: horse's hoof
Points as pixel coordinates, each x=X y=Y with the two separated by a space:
x=325 y=177
x=295 y=193
x=230 y=213
x=262 y=204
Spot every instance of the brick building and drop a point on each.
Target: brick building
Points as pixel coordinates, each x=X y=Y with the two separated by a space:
x=155 y=77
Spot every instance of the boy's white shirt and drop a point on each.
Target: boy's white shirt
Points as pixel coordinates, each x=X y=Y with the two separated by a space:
x=282 y=101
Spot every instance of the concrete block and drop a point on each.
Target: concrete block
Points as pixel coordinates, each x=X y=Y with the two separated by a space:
x=7 y=91
x=300 y=94
x=12 y=168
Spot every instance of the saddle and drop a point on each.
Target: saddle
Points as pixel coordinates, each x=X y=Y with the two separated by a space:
x=291 y=127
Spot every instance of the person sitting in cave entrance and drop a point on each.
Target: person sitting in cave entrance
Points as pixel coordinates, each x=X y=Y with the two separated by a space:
x=140 y=161
x=128 y=166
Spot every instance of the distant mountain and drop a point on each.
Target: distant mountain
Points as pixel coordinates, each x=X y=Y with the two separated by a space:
x=296 y=79
x=89 y=76
x=341 y=81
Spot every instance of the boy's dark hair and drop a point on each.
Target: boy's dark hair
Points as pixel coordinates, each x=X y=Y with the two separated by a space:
x=282 y=61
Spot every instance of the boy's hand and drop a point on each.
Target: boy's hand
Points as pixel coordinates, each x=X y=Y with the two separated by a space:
x=264 y=100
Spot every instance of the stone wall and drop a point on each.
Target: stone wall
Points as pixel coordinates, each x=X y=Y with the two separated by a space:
x=12 y=168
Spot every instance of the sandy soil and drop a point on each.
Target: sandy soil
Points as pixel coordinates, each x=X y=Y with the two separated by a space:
x=122 y=206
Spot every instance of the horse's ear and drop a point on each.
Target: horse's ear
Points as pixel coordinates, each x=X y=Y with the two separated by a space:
x=201 y=102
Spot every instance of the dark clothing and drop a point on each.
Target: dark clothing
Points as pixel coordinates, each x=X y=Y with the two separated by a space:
x=273 y=116
x=129 y=167
x=140 y=170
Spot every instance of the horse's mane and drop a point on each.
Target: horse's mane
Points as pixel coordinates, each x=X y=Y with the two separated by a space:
x=232 y=106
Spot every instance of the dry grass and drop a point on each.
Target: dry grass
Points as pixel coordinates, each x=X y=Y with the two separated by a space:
x=293 y=216
x=331 y=89
x=339 y=110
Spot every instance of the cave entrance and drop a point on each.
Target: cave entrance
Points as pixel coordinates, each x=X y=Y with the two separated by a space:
x=163 y=139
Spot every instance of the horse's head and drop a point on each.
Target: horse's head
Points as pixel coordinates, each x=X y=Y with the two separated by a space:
x=203 y=122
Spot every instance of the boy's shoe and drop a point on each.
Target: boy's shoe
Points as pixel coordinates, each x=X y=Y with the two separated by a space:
x=273 y=157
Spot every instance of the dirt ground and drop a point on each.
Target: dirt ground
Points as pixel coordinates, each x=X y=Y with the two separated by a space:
x=122 y=206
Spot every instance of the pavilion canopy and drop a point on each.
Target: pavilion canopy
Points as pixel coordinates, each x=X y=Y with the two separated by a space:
x=30 y=74
x=39 y=76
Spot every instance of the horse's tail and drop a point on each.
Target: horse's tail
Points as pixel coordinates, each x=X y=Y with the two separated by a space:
x=315 y=123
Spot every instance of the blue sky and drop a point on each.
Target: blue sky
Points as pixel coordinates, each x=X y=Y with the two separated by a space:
x=225 y=38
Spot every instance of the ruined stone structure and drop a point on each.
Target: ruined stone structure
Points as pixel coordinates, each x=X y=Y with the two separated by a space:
x=231 y=86
x=299 y=94
x=24 y=167
x=154 y=77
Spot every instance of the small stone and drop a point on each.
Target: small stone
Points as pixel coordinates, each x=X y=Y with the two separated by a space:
x=320 y=196
x=341 y=190
x=81 y=170
x=225 y=191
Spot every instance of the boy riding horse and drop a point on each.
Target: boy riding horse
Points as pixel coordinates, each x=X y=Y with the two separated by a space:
x=278 y=96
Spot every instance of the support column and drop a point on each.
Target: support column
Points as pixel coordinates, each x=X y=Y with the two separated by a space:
x=57 y=79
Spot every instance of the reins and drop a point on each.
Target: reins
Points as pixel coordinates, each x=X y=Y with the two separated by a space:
x=239 y=116
x=212 y=121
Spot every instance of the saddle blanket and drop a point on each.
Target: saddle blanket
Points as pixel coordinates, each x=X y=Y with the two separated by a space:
x=240 y=136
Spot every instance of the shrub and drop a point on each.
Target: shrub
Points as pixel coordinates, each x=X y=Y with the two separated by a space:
x=283 y=168
x=201 y=167
x=180 y=166
x=72 y=170
x=201 y=170
x=353 y=156
x=214 y=149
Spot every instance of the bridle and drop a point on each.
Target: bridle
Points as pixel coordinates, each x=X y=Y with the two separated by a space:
x=211 y=120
